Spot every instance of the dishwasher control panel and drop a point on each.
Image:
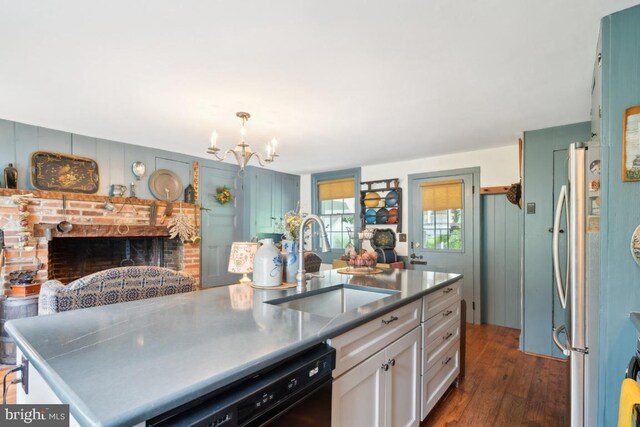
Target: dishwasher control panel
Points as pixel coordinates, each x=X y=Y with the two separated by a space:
x=256 y=400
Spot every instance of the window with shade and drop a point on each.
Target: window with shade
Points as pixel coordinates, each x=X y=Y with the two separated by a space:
x=337 y=208
x=442 y=209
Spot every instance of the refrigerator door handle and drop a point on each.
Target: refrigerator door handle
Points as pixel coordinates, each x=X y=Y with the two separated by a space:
x=555 y=247
x=565 y=349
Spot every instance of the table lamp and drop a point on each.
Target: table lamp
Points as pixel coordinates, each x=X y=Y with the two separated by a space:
x=241 y=259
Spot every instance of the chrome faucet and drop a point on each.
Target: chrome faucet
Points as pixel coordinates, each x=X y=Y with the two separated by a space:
x=302 y=276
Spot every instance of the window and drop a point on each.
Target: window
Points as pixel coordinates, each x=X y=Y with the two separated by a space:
x=337 y=208
x=442 y=215
x=335 y=197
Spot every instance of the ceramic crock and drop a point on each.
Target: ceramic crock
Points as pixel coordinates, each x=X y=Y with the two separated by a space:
x=267 y=264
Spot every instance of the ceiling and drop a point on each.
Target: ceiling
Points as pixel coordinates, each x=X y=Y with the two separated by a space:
x=340 y=83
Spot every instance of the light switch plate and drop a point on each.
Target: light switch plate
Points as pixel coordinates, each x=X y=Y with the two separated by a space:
x=531 y=208
x=402 y=237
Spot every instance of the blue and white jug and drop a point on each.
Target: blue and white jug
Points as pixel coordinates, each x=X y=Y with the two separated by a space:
x=267 y=265
x=290 y=260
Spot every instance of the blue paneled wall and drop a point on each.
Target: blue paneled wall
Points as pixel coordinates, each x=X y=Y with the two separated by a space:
x=500 y=259
x=18 y=141
x=620 y=275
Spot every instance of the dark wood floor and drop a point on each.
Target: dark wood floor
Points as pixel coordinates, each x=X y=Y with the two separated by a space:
x=503 y=386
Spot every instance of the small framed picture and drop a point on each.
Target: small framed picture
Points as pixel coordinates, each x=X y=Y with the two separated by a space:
x=594 y=167
x=631 y=144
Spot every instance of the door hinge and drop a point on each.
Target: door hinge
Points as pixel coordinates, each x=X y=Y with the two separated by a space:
x=473 y=189
x=473 y=305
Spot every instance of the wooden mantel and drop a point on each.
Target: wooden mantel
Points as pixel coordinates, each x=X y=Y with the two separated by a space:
x=95 y=230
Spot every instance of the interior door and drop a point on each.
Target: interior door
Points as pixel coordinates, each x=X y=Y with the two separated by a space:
x=219 y=225
x=560 y=178
x=442 y=229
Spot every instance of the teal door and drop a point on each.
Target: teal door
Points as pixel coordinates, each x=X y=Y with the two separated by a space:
x=219 y=224
x=442 y=228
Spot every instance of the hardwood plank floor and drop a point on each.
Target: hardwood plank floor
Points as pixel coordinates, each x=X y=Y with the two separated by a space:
x=503 y=386
x=11 y=395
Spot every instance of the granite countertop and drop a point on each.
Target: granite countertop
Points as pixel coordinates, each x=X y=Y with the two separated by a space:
x=125 y=363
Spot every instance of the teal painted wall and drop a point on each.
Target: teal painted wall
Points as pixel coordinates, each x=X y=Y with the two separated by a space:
x=541 y=148
x=18 y=141
x=501 y=239
x=620 y=276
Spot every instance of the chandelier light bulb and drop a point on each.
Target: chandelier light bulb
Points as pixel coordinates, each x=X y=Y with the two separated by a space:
x=214 y=139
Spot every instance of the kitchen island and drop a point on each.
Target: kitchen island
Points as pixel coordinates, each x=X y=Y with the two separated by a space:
x=123 y=364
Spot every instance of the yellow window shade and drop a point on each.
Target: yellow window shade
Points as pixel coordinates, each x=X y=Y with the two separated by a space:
x=337 y=189
x=442 y=195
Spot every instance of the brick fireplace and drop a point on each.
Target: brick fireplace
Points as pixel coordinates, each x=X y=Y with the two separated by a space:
x=99 y=238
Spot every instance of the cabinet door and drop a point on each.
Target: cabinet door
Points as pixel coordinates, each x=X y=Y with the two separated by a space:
x=264 y=222
x=402 y=382
x=358 y=396
x=290 y=192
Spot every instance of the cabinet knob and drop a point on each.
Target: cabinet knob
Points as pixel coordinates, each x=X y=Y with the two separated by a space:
x=391 y=362
x=385 y=367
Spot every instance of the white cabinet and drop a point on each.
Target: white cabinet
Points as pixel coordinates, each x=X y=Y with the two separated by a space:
x=355 y=345
x=383 y=390
x=440 y=345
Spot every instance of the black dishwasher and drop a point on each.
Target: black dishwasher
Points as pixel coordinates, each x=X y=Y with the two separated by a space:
x=296 y=393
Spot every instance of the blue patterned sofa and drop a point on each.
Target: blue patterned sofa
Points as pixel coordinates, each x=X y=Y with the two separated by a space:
x=112 y=286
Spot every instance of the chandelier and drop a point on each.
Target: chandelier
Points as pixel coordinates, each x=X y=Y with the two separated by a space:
x=242 y=151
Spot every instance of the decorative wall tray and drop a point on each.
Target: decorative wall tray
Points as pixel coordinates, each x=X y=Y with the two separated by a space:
x=63 y=172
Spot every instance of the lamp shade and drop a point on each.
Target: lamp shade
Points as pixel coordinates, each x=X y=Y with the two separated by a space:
x=241 y=257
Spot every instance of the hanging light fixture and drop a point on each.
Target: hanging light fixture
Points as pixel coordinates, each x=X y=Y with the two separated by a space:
x=242 y=151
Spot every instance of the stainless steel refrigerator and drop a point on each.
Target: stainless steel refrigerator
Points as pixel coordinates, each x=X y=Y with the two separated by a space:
x=576 y=275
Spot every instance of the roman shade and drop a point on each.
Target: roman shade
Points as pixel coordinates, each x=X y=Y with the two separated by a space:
x=337 y=189
x=442 y=195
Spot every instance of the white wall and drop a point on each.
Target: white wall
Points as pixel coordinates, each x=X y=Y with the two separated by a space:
x=498 y=166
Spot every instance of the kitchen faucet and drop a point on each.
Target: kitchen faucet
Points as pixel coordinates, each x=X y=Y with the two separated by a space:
x=302 y=276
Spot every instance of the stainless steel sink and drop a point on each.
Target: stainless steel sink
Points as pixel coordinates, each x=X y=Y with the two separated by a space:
x=332 y=300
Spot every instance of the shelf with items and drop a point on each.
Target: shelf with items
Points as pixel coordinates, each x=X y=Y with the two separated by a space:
x=381 y=203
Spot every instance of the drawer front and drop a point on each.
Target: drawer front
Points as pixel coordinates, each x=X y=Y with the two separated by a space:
x=356 y=345
x=437 y=379
x=438 y=300
x=434 y=327
x=440 y=345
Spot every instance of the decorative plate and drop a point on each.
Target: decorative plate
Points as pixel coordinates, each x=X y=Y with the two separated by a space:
x=393 y=216
x=383 y=238
x=372 y=200
x=635 y=245
x=63 y=172
x=164 y=180
x=391 y=199
x=370 y=216
x=382 y=216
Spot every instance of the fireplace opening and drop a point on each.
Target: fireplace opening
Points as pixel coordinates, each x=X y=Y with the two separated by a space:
x=73 y=258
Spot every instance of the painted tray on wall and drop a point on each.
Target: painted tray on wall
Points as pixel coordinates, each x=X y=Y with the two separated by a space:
x=64 y=172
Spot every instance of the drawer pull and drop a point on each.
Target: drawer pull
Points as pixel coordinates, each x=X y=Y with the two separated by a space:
x=391 y=319
x=385 y=367
x=446 y=313
x=446 y=291
x=444 y=362
x=446 y=337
